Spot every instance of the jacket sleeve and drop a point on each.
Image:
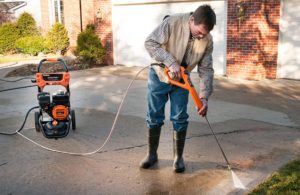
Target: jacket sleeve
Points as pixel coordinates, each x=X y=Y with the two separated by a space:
x=154 y=42
x=206 y=72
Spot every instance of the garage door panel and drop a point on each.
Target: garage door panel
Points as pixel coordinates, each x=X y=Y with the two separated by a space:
x=289 y=44
x=133 y=23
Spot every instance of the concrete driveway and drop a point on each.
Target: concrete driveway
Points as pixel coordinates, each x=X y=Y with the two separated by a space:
x=256 y=122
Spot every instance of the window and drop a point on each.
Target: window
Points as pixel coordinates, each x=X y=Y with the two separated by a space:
x=57 y=11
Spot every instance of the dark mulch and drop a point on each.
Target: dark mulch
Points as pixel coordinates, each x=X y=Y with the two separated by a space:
x=31 y=69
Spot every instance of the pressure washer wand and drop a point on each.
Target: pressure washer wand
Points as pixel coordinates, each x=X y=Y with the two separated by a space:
x=223 y=153
x=188 y=85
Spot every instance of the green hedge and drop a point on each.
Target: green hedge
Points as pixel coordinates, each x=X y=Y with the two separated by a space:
x=31 y=44
x=9 y=33
x=27 y=25
x=57 y=39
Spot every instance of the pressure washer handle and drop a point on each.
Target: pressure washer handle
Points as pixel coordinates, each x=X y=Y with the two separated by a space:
x=53 y=60
x=196 y=98
x=187 y=84
x=174 y=82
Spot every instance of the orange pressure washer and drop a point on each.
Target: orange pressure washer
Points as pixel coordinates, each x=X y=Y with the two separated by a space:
x=55 y=115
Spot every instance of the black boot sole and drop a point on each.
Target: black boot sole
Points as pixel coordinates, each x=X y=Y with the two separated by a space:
x=179 y=170
x=147 y=165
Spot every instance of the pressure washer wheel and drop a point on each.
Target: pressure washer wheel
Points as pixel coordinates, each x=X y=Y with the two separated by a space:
x=37 y=122
x=73 y=119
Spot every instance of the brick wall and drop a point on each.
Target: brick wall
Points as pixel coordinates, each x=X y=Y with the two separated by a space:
x=73 y=24
x=104 y=28
x=252 y=43
x=72 y=17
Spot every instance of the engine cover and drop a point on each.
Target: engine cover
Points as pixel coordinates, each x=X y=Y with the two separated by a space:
x=60 y=112
x=61 y=98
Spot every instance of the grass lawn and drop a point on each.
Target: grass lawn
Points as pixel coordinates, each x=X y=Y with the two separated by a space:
x=284 y=181
x=16 y=58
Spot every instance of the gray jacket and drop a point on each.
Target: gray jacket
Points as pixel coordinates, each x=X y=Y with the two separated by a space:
x=168 y=43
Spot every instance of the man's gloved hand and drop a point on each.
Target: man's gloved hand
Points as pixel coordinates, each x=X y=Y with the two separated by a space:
x=175 y=71
x=203 y=110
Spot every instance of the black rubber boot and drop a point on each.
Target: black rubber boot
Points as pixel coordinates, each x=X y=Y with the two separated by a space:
x=153 y=141
x=178 y=146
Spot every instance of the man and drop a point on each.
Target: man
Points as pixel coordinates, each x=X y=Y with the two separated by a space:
x=180 y=40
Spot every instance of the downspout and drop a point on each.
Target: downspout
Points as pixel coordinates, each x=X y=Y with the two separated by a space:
x=80 y=14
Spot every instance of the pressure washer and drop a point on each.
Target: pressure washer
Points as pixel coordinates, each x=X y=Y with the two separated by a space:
x=55 y=115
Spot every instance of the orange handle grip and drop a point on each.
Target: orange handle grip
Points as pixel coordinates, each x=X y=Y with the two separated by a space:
x=177 y=83
x=196 y=98
x=188 y=85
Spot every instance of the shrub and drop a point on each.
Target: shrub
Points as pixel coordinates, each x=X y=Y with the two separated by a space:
x=284 y=181
x=27 y=25
x=57 y=39
x=89 y=48
x=31 y=44
x=8 y=36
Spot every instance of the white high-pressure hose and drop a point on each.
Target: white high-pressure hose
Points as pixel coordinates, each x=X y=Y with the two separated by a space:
x=109 y=135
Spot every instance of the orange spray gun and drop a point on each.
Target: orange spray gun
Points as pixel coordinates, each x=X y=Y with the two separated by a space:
x=188 y=85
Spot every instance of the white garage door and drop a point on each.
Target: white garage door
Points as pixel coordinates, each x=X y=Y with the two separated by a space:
x=289 y=44
x=134 y=20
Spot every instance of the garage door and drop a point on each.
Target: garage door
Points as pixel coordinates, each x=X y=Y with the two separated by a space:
x=289 y=44
x=133 y=21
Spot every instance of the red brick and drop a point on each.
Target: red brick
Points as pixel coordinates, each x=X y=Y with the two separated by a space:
x=254 y=46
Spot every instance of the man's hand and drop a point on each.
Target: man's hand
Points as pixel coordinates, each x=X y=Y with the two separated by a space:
x=203 y=110
x=175 y=71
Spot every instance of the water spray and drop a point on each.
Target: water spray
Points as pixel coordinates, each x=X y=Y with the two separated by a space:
x=236 y=181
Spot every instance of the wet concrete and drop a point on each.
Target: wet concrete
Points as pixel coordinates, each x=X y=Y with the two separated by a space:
x=258 y=135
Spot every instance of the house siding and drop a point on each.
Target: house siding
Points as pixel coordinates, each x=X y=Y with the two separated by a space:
x=252 y=44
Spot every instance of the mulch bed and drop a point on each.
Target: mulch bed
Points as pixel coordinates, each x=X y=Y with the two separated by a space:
x=31 y=69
